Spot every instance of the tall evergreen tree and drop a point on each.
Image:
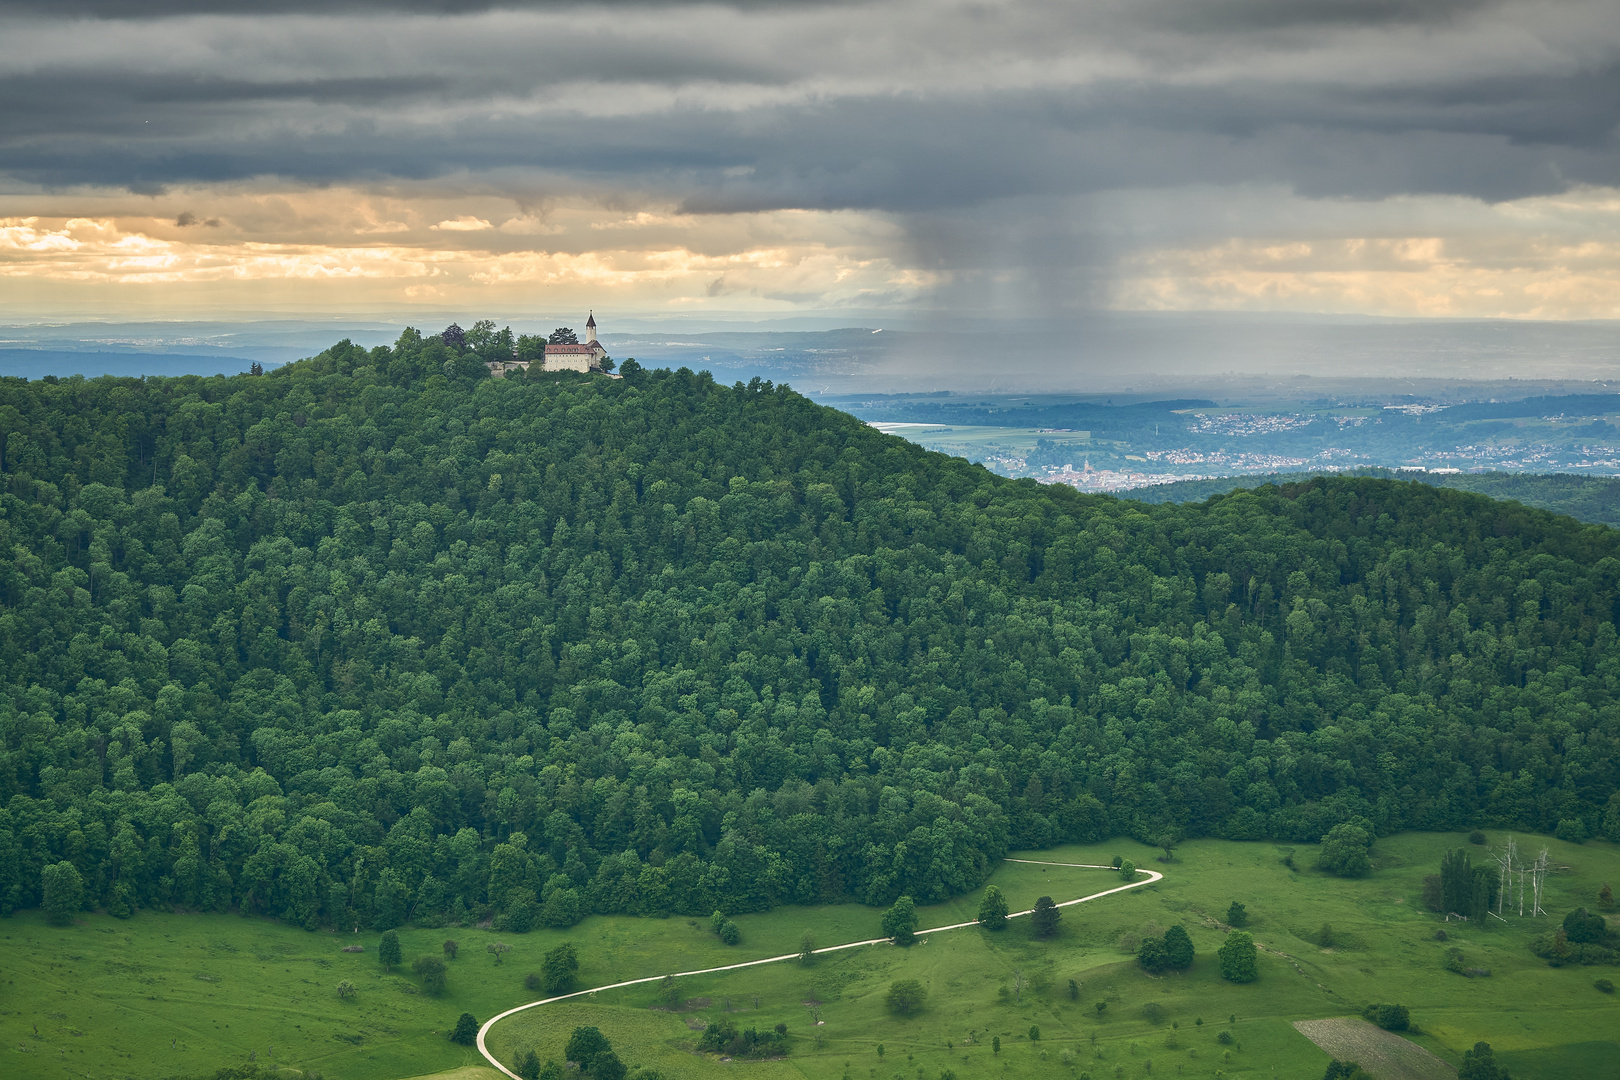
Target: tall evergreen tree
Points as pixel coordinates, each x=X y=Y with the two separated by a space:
x=1043 y=920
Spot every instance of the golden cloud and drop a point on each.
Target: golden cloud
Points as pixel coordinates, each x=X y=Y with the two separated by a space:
x=353 y=250
x=1545 y=258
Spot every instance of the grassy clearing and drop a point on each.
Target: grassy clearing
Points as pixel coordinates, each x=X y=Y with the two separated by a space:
x=1381 y=1053
x=160 y=995
x=468 y=1072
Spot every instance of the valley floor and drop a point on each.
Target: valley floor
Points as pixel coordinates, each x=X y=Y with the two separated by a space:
x=163 y=995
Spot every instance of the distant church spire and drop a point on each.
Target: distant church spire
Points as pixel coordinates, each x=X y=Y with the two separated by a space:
x=590 y=329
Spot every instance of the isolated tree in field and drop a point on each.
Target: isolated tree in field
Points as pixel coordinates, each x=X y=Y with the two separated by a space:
x=1237 y=916
x=345 y=989
x=1127 y=870
x=1178 y=948
x=1606 y=897
x=1325 y=936
x=388 y=953
x=584 y=1045
x=1344 y=849
x=559 y=968
x=1044 y=919
x=1480 y=1064
x=905 y=996
x=1074 y=990
x=1167 y=843
x=807 y=949
x=431 y=970
x=730 y=933
x=716 y=921
x=1150 y=955
x=1239 y=959
x=995 y=1045
x=527 y=1065
x=466 y=1032
x=64 y=892
x=498 y=949
x=451 y=948
x=993 y=909
x=900 y=922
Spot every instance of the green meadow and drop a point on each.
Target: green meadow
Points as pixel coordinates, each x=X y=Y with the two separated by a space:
x=163 y=995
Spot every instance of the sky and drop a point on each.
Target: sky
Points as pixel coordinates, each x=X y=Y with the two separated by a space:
x=192 y=158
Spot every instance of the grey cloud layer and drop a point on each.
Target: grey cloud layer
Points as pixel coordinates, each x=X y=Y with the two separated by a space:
x=891 y=107
x=988 y=128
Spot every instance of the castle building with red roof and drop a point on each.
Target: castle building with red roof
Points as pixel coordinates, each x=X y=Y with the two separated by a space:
x=584 y=356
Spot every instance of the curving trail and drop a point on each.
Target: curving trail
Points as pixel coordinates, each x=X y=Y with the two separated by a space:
x=1152 y=876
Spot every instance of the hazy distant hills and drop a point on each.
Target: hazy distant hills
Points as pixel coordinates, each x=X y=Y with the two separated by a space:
x=38 y=363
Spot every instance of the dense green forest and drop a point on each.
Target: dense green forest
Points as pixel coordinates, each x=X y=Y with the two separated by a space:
x=1589 y=498
x=374 y=637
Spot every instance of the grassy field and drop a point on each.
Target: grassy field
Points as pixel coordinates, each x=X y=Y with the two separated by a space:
x=163 y=995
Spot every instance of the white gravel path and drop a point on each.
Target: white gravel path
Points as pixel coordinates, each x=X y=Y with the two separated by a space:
x=1153 y=875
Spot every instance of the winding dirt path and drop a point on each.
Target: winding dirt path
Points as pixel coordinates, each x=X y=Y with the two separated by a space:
x=1152 y=876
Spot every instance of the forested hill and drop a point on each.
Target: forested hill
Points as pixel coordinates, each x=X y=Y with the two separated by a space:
x=1588 y=498
x=370 y=638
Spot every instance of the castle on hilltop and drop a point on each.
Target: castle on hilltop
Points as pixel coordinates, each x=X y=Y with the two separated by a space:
x=561 y=355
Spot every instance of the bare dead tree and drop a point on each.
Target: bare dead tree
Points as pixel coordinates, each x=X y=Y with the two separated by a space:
x=1505 y=860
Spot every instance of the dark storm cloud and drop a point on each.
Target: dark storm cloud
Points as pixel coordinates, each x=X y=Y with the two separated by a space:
x=766 y=106
x=160 y=9
x=1234 y=16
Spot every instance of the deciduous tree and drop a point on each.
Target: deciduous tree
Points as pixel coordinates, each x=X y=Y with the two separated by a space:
x=559 y=968
x=1238 y=957
x=905 y=996
x=900 y=922
x=388 y=952
x=63 y=890
x=993 y=909
x=432 y=972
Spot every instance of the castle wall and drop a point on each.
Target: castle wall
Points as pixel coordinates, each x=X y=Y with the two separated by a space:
x=573 y=362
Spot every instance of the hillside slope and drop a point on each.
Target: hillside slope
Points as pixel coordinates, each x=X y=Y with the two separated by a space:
x=370 y=638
